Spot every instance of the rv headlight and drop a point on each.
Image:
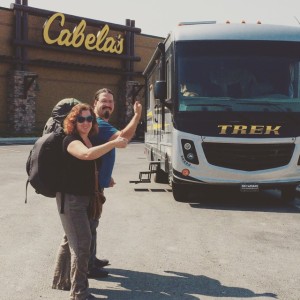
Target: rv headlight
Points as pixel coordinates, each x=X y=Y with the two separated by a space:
x=190 y=156
x=187 y=146
x=189 y=151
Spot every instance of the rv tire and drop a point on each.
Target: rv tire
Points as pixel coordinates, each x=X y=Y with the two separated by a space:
x=180 y=192
x=161 y=176
x=288 y=194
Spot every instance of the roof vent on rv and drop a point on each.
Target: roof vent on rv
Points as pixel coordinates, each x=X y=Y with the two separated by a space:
x=243 y=22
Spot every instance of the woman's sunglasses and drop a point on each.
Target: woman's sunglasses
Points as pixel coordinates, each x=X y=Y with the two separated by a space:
x=81 y=119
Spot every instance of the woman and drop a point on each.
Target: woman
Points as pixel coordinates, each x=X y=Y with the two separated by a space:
x=79 y=187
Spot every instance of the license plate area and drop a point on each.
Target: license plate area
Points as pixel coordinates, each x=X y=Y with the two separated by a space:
x=249 y=187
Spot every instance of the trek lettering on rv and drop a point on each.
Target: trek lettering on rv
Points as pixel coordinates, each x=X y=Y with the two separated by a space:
x=252 y=129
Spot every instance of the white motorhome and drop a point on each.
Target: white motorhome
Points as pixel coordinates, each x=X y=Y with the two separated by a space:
x=223 y=107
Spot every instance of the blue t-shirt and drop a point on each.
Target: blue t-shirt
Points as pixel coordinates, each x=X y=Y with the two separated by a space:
x=106 y=131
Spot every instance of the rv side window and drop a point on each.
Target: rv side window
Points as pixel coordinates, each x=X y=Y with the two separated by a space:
x=151 y=82
x=169 y=79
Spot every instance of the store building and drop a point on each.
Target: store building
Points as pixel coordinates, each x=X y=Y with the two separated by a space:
x=46 y=56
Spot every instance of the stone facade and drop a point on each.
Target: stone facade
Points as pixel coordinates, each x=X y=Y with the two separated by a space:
x=22 y=102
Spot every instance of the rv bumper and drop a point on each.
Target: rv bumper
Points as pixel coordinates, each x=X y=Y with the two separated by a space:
x=188 y=180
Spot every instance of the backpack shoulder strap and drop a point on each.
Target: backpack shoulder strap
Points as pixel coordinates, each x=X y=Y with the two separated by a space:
x=26 y=190
x=62 y=203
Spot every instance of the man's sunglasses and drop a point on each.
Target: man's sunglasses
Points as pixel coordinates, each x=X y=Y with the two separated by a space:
x=81 y=119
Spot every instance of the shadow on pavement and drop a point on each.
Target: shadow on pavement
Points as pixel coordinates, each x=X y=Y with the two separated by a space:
x=225 y=199
x=133 y=285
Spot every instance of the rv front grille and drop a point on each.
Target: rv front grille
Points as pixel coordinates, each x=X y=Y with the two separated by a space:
x=248 y=157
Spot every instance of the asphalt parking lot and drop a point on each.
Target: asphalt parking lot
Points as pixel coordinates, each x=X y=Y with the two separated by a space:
x=215 y=246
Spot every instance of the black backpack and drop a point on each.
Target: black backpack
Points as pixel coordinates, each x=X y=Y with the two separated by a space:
x=44 y=165
x=45 y=162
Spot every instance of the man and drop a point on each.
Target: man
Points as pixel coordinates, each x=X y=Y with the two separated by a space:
x=104 y=106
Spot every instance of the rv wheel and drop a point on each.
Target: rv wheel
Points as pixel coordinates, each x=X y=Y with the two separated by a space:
x=161 y=176
x=288 y=193
x=180 y=192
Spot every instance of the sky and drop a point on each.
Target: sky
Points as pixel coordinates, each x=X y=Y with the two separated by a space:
x=159 y=17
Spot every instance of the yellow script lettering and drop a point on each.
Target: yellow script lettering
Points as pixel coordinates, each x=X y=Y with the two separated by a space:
x=89 y=41
x=47 y=26
x=78 y=34
x=64 y=38
x=100 y=42
x=119 y=45
x=101 y=36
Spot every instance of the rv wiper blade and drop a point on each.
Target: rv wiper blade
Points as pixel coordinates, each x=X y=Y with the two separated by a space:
x=257 y=103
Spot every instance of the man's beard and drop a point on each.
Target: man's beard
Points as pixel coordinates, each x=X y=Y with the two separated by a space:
x=106 y=114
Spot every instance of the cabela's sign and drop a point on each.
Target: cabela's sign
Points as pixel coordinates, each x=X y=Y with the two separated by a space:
x=78 y=38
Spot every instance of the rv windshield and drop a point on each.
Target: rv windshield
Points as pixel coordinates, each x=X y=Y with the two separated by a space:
x=238 y=82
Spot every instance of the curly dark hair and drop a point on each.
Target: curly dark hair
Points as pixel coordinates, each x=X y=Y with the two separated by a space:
x=71 y=119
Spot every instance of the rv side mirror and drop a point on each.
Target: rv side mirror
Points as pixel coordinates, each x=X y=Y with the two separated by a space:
x=160 y=90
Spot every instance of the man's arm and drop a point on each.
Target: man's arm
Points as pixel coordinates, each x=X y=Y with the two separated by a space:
x=129 y=131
